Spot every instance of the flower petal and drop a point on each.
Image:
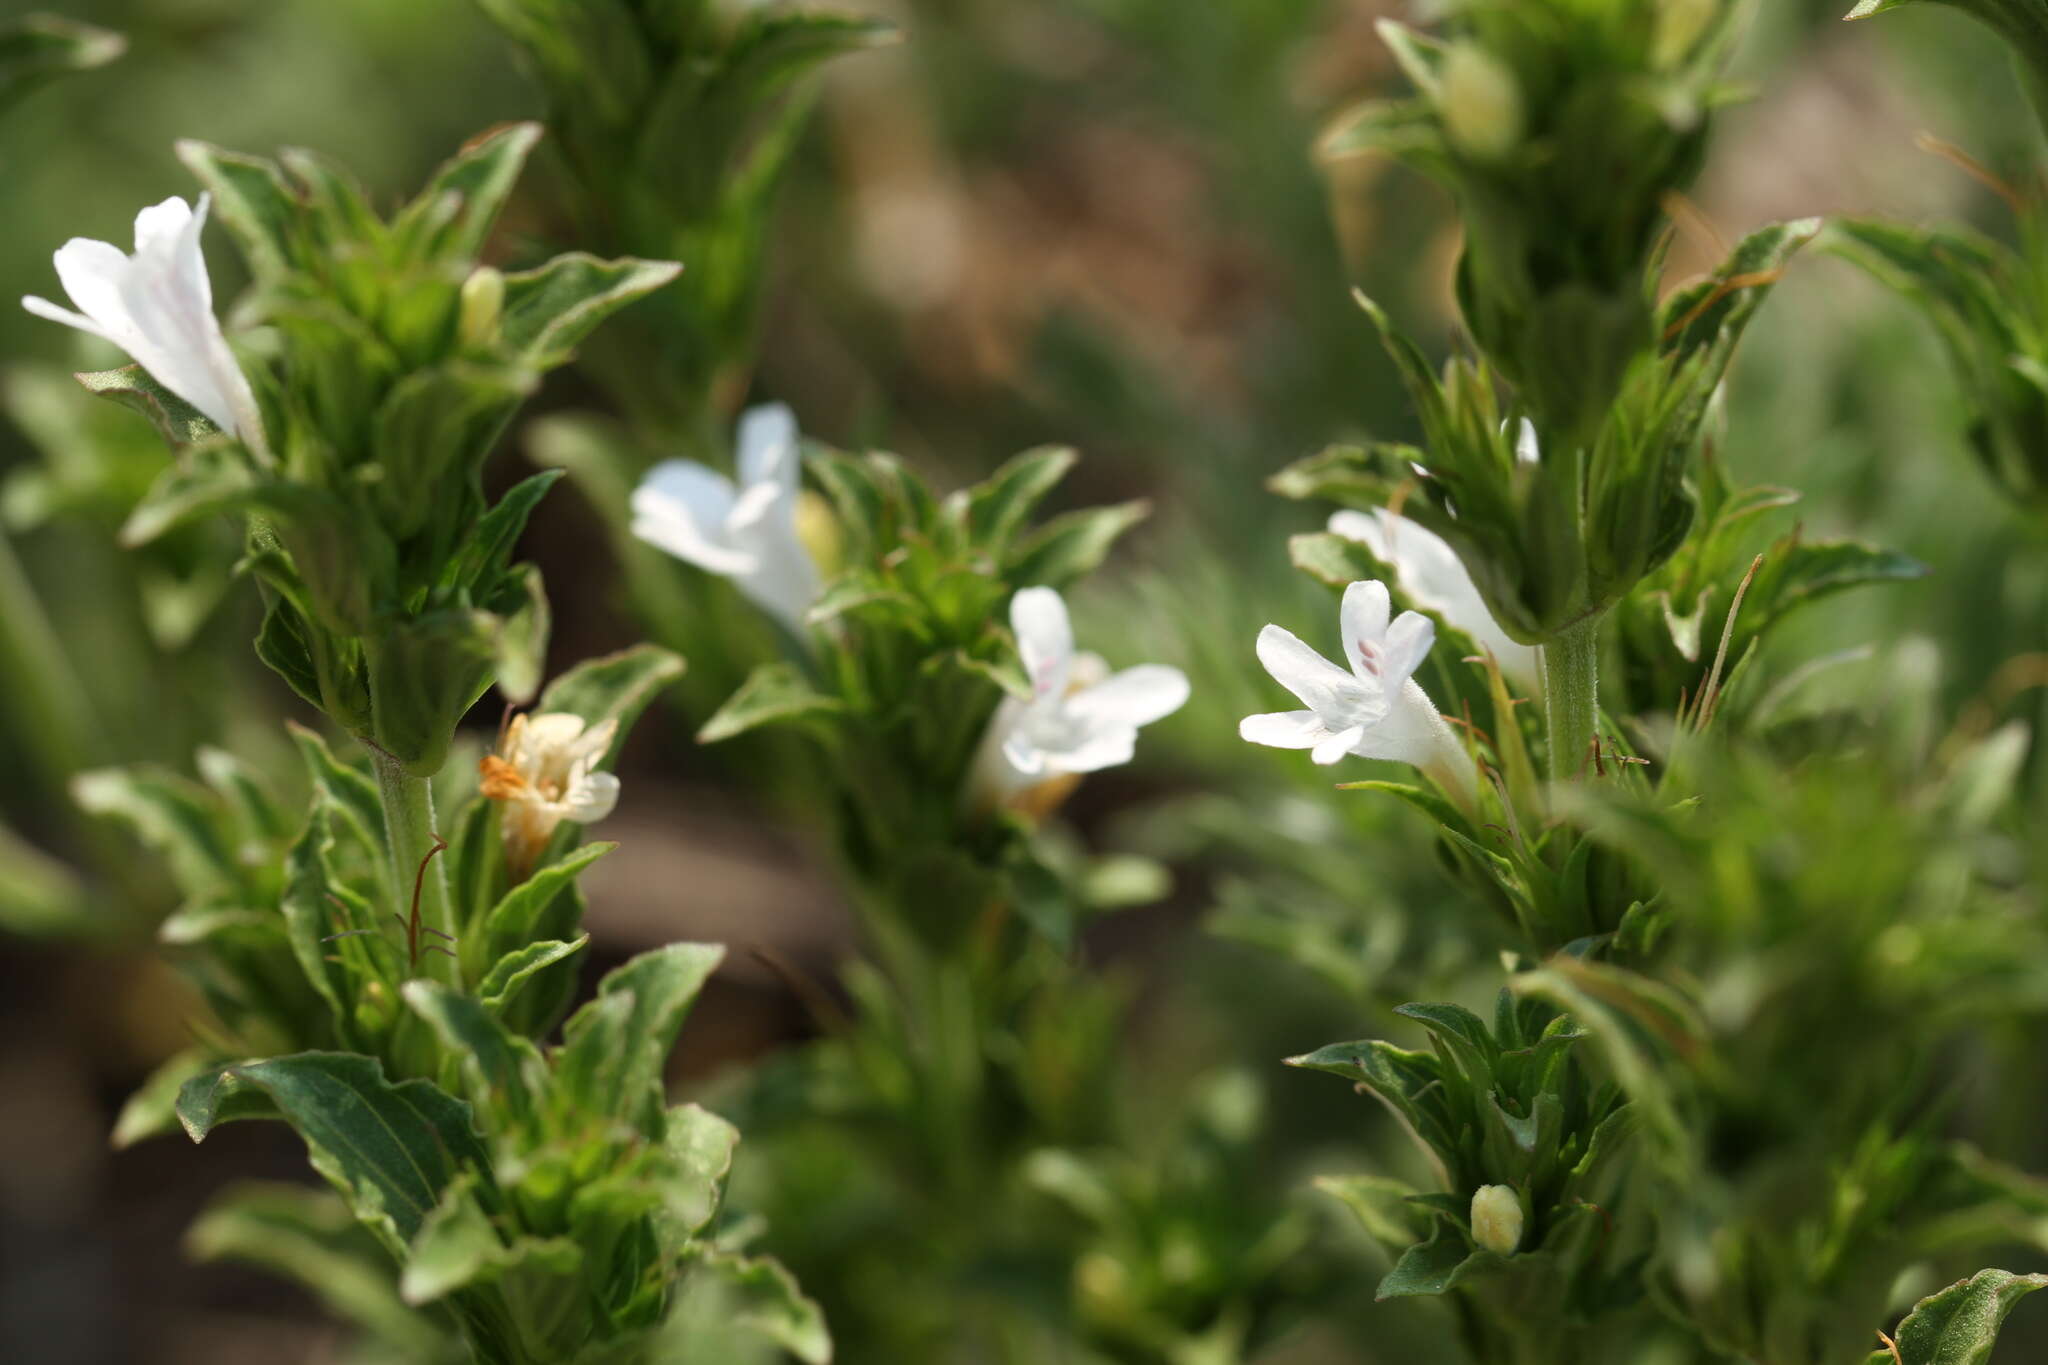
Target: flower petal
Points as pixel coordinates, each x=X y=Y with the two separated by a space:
x=1406 y=645
x=92 y=274
x=1527 y=449
x=1108 y=748
x=682 y=507
x=1321 y=685
x=1133 y=697
x=592 y=798
x=159 y=226
x=1363 y=619
x=768 y=447
x=43 y=308
x=1333 y=747
x=1283 y=729
x=1045 y=638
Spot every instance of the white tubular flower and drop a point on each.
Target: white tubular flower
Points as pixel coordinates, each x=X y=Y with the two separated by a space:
x=746 y=532
x=1434 y=579
x=1081 y=717
x=1376 y=710
x=544 y=773
x=157 y=305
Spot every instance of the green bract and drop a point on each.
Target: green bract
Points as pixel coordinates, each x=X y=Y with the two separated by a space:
x=675 y=120
x=1989 y=302
x=1562 y=126
x=387 y=367
x=1555 y=541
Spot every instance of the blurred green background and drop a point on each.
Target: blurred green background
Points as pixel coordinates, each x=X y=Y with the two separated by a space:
x=1096 y=222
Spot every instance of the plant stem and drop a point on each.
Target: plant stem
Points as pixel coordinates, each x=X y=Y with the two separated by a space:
x=409 y=828
x=1571 y=696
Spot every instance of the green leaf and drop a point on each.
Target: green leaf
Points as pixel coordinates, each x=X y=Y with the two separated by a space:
x=487 y=549
x=348 y=791
x=391 y=1149
x=757 y=1295
x=152 y=1110
x=999 y=505
x=479 y=178
x=251 y=200
x=512 y=971
x=502 y=1074
x=1381 y=1204
x=1959 y=1325
x=699 y=1145
x=617 y=687
x=310 y=1237
x=512 y=922
x=1332 y=559
x=1072 y=544
x=1435 y=1267
x=614 y=1048
x=773 y=694
x=178 y=422
x=38 y=894
x=38 y=46
x=426 y=671
x=551 y=309
x=173 y=815
x=458 y=1247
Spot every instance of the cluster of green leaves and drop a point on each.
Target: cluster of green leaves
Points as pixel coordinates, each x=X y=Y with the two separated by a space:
x=909 y=661
x=675 y=120
x=531 y=1205
x=1989 y=303
x=267 y=899
x=550 y=1206
x=1831 y=943
x=1512 y=1105
x=1562 y=126
x=394 y=364
x=1176 y=1264
x=1560 y=539
x=1686 y=615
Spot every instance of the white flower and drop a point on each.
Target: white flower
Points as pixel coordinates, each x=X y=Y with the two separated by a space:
x=1376 y=710
x=747 y=533
x=544 y=773
x=157 y=305
x=1433 y=578
x=1081 y=717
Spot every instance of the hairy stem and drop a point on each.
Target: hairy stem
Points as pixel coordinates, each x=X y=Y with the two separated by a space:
x=409 y=827
x=1571 y=697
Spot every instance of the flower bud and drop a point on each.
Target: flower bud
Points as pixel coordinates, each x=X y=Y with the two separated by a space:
x=817 y=527
x=1497 y=1219
x=483 y=304
x=1482 y=104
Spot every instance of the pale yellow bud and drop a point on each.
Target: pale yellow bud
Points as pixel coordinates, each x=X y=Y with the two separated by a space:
x=1497 y=1219
x=483 y=304
x=817 y=529
x=1482 y=103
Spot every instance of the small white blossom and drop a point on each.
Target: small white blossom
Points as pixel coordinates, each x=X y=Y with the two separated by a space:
x=1081 y=717
x=157 y=305
x=1433 y=578
x=1497 y=1219
x=544 y=773
x=1376 y=710
x=747 y=532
